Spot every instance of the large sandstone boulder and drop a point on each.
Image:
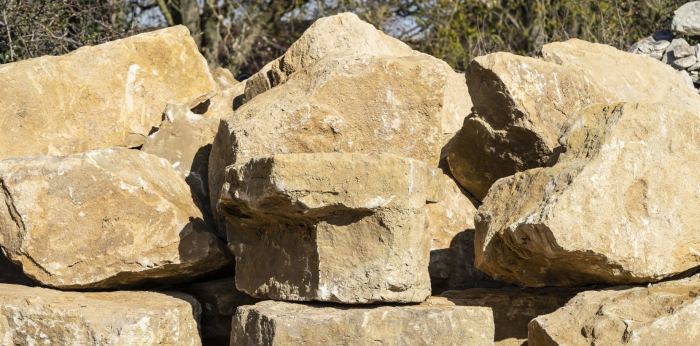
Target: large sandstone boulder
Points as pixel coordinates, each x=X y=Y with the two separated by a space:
x=358 y=104
x=520 y=106
x=435 y=322
x=620 y=206
x=333 y=227
x=98 y=96
x=512 y=308
x=101 y=219
x=659 y=314
x=39 y=316
x=219 y=300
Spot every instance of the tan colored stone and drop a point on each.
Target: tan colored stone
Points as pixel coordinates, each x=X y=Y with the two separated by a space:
x=520 y=106
x=512 y=308
x=219 y=300
x=435 y=322
x=359 y=104
x=97 y=96
x=101 y=219
x=184 y=138
x=33 y=316
x=612 y=210
x=661 y=314
x=624 y=76
x=337 y=227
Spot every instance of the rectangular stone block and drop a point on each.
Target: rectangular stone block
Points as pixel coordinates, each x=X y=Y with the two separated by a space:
x=435 y=322
x=334 y=227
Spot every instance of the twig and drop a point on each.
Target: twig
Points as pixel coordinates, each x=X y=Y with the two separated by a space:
x=9 y=36
x=166 y=12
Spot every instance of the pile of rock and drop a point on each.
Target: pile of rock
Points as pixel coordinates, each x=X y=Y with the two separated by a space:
x=344 y=180
x=677 y=52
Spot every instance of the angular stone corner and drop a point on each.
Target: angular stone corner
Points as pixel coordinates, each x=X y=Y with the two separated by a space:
x=620 y=206
x=97 y=97
x=330 y=227
x=434 y=322
x=660 y=314
x=103 y=219
x=107 y=318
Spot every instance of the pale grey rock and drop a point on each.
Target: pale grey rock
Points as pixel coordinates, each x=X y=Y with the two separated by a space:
x=686 y=19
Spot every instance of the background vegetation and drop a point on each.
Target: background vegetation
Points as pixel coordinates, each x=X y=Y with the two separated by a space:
x=243 y=35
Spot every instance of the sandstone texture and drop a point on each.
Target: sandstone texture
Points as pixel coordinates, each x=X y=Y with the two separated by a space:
x=184 y=138
x=520 y=106
x=435 y=322
x=686 y=19
x=512 y=308
x=337 y=227
x=39 y=316
x=659 y=314
x=101 y=219
x=219 y=300
x=98 y=96
x=610 y=211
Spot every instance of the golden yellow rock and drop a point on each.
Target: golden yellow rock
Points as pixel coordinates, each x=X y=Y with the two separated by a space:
x=102 y=219
x=98 y=96
x=620 y=205
x=31 y=316
x=660 y=314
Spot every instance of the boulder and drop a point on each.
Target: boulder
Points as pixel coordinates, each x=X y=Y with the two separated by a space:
x=512 y=308
x=102 y=219
x=336 y=227
x=358 y=104
x=219 y=300
x=31 y=316
x=184 y=138
x=686 y=19
x=520 y=105
x=611 y=210
x=435 y=322
x=659 y=314
x=101 y=96
x=618 y=72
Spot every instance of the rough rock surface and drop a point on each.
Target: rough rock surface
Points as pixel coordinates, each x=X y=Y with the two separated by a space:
x=102 y=219
x=520 y=105
x=332 y=227
x=512 y=308
x=435 y=322
x=219 y=300
x=661 y=314
x=686 y=19
x=98 y=96
x=184 y=138
x=39 y=316
x=610 y=211
x=357 y=104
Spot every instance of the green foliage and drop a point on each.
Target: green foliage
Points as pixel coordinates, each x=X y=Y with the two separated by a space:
x=243 y=35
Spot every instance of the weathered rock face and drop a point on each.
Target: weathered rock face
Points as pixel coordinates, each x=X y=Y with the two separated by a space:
x=660 y=314
x=184 y=138
x=31 y=316
x=512 y=308
x=435 y=322
x=686 y=19
x=611 y=210
x=340 y=35
x=219 y=300
x=333 y=227
x=98 y=96
x=102 y=219
x=357 y=104
x=520 y=105
x=622 y=82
